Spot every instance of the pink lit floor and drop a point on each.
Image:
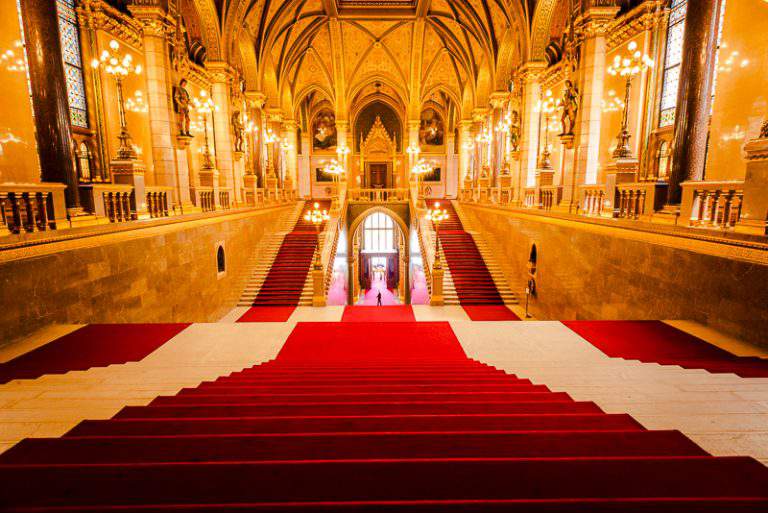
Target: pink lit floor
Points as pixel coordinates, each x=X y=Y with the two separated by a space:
x=337 y=293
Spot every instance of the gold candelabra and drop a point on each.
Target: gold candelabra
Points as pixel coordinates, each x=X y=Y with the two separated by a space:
x=436 y=215
x=205 y=106
x=119 y=66
x=628 y=67
x=317 y=217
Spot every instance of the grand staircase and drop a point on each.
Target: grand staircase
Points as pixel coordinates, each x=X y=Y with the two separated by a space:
x=282 y=277
x=468 y=277
x=354 y=418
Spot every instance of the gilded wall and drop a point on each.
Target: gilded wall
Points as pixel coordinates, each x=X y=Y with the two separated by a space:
x=741 y=95
x=588 y=272
x=159 y=274
x=18 y=148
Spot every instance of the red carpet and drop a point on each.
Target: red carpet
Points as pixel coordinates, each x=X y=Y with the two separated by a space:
x=389 y=313
x=490 y=313
x=657 y=342
x=95 y=345
x=285 y=281
x=366 y=417
x=474 y=284
x=267 y=314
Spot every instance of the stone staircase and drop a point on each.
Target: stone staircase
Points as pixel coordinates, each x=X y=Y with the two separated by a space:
x=487 y=251
x=264 y=260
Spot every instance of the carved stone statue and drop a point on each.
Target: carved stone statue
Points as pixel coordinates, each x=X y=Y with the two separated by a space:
x=570 y=108
x=181 y=102
x=514 y=131
x=764 y=130
x=237 y=129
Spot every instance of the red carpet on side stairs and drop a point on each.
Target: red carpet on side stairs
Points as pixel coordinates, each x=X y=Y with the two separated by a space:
x=657 y=342
x=362 y=417
x=95 y=345
x=281 y=291
x=474 y=285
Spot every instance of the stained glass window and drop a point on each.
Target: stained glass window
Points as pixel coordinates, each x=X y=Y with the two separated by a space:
x=73 y=62
x=672 y=60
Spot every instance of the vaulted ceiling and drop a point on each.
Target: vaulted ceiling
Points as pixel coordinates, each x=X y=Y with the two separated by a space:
x=348 y=51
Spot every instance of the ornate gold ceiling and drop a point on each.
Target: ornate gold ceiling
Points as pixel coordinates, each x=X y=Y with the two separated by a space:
x=411 y=50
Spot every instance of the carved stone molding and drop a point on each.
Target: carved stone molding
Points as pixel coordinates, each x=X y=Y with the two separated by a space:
x=256 y=99
x=99 y=15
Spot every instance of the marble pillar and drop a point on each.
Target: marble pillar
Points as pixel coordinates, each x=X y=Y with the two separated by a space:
x=591 y=80
x=465 y=153
x=159 y=101
x=49 y=97
x=529 y=154
x=694 y=97
x=291 y=161
x=222 y=130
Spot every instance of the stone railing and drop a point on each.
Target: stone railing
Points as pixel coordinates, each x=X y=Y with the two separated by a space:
x=112 y=201
x=224 y=200
x=423 y=234
x=157 y=200
x=333 y=231
x=550 y=196
x=712 y=204
x=378 y=195
x=639 y=200
x=529 y=197
x=30 y=207
x=206 y=199
x=591 y=199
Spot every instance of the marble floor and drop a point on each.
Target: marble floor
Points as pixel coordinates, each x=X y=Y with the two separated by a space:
x=724 y=413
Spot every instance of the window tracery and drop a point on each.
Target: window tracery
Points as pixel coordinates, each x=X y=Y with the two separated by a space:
x=71 y=56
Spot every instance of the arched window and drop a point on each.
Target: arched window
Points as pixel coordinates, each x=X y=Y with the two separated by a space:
x=674 y=56
x=69 y=34
x=221 y=263
x=662 y=160
x=378 y=233
x=84 y=162
x=672 y=60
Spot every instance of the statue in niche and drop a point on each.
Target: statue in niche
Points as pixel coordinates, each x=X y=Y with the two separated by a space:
x=431 y=130
x=237 y=130
x=324 y=130
x=570 y=108
x=181 y=101
x=514 y=131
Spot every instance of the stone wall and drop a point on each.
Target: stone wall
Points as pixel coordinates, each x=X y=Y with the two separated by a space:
x=588 y=271
x=164 y=273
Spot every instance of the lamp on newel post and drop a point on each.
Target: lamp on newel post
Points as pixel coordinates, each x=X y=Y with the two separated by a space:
x=317 y=217
x=205 y=106
x=126 y=167
x=628 y=67
x=436 y=215
x=336 y=170
x=119 y=66
x=421 y=168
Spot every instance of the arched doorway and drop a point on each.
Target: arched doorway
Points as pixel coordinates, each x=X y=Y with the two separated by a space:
x=379 y=260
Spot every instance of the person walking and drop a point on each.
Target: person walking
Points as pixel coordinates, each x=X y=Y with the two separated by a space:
x=378 y=299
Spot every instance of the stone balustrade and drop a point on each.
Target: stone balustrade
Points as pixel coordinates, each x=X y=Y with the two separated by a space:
x=224 y=200
x=529 y=197
x=30 y=207
x=378 y=195
x=712 y=204
x=111 y=201
x=550 y=196
x=157 y=201
x=592 y=199
x=206 y=199
x=639 y=200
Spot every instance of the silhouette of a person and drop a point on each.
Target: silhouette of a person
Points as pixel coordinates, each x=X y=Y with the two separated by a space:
x=378 y=299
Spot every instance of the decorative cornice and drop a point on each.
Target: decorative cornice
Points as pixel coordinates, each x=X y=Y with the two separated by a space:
x=99 y=15
x=647 y=16
x=220 y=71
x=756 y=149
x=531 y=70
x=256 y=99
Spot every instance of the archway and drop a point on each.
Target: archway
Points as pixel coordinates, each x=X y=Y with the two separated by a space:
x=378 y=259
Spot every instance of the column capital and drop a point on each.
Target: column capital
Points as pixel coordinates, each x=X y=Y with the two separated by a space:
x=154 y=20
x=413 y=124
x=220 y=71
x=497 y=99
x=595 y=20
x=532 y=70
x=465 y=124
x=274 y=115
x=289 y=124
x=341 y=123
x=256 y=99
x=479 y=114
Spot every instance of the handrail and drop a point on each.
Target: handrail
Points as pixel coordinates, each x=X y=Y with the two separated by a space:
x=330 y=242
x=422 y=226
x=378 y=195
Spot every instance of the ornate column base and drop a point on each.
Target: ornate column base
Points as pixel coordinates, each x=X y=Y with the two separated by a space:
x=436 y=299
x=618 y=171
x=754 y=209
x=131 y=172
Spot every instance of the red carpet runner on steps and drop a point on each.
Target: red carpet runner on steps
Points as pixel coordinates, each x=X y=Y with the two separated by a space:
x=474 y=285
x=366 y=417
x=95 y=345
x=284 y=283
x=657 y=342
